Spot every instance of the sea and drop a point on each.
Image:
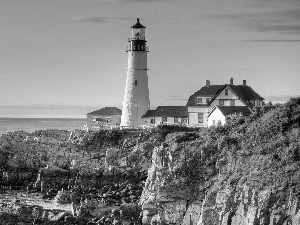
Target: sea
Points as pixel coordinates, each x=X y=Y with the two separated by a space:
x=33 y=124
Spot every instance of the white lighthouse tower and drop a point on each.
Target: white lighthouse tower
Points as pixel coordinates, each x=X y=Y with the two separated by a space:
x=136 y=98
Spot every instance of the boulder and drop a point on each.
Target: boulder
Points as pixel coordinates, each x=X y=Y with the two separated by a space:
x=111 y=155
x=59 y=217
x=127 y=209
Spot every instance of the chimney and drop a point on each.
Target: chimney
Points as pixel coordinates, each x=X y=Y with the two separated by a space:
x=244 y=82
x=231 y=81
x=207 y=83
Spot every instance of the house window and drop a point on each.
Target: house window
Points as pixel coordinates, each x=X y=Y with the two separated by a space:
x=232 y=102
x=175 y=119
x=184 y=119
x=199 y=100
x=200 y=117
x=164 y=119
x=207 y=100
x=152 y=121
x=221 y=101
x=135 y=82
x=226 y=91
x=258 y=103
x=108 y=120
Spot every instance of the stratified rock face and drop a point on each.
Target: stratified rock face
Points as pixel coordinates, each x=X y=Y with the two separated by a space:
x=218 y=205
x=267 y=196
x=247 y=207
x=244 y=173
x=160 y=203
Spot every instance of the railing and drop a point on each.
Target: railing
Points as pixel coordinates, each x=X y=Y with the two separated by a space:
x=137 y=38
x=128 y=48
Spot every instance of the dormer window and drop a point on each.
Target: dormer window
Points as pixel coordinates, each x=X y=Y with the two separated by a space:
x=199 y=100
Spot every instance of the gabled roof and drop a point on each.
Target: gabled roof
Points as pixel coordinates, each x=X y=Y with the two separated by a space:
x=229 y=110
x=243 y=92
x=168 y=111
x=149 y=113
x=138 y=25
x=172 y=111
x=107 y=111
x=246 y=93
x=206 y=91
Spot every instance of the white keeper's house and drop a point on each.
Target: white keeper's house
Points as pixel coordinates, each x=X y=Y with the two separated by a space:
x=208 y=106
x=228 y=97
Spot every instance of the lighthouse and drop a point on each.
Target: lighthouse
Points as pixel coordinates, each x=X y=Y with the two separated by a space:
x=136 y=98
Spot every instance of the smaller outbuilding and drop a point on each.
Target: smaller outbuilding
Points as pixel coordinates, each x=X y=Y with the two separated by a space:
x=166 y=115
x=105 y=117
x=218 y=114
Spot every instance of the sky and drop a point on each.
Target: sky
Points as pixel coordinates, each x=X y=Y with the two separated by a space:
x=65 y=58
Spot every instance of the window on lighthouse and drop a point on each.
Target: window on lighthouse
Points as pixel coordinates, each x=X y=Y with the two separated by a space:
x=135 y=82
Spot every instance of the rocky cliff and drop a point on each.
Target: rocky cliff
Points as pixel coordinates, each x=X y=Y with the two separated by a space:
x=244 y=173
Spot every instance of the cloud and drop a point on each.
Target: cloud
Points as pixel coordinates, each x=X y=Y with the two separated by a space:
x=100 y=19
x=278 y=21
x=279 y=98
x=171 y=98
x=140 y=1
x=271 y=40
x=177 y=99
x=47 y=111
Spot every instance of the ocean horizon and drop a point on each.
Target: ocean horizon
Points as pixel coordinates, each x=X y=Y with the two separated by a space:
x=33 y=124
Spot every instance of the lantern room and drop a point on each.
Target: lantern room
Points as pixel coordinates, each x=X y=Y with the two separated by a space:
x=138 y=31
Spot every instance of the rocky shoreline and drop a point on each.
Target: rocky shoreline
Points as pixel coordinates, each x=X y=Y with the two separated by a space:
x=86 y=176
x=244 y=173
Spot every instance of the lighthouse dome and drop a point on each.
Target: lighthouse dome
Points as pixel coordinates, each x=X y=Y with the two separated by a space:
x=137 y=25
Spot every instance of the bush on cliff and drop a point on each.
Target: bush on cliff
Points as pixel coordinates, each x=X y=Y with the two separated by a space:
x=261 y=150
